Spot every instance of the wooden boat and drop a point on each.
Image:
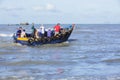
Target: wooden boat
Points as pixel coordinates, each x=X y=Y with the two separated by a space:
x=32 y=41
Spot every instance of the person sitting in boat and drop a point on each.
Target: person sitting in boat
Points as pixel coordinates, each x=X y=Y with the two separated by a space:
x=19 y=32
x=23 y=34
x=52 y=32
x=41 y=31
x=36 y=33
x=57 y=29
x=49 y=32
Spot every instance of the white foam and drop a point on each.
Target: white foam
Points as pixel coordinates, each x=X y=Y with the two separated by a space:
x=5 y=35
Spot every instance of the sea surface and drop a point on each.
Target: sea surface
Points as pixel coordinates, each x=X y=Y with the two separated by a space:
x=91 y=53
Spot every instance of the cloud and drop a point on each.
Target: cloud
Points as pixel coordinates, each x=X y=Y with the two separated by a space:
x=38 y=8
x=11 y=8
x=50 y=7
x=47 y=7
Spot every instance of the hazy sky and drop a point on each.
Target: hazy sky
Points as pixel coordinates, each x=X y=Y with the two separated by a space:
x=62 y=11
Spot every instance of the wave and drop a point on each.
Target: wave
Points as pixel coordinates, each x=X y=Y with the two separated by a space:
x=5 y=35
x=112 y=60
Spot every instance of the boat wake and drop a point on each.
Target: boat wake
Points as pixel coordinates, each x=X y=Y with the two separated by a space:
x=5 y=35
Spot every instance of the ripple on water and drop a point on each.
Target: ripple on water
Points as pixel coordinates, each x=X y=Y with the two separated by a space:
x=112 y=61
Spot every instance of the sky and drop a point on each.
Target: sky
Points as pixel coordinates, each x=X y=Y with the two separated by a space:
x=60 y=11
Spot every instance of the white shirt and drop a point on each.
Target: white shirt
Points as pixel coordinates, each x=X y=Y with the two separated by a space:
x=42 y=29
x=22 y=33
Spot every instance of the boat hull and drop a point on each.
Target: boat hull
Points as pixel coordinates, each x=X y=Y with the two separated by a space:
x=45 y=40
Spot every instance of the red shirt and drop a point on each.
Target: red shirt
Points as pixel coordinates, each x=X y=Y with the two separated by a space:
x=57 y=28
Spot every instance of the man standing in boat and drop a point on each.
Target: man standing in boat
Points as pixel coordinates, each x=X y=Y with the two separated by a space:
x=33 y=30
x=42 y=30
x=57 y=29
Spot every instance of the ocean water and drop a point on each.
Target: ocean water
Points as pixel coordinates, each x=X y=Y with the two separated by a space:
x=91 y=53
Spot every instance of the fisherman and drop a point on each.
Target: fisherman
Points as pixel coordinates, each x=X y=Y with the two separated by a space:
x=42 y=31
x=36 y=33
x=49 y=32
x=57 y=29
x=23 y=34
x=33 y=30
x=19 y=31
